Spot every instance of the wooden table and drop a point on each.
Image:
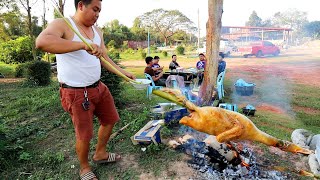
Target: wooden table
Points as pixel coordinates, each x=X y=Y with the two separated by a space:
x=185 y=74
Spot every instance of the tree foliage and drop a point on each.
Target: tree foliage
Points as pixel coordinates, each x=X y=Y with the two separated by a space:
x=312 y=29
x=291 y=18
x=254 y=20
x=139 y=33
x=165 y=22
x=17 y=50
x=116 y=32
x=13 y=22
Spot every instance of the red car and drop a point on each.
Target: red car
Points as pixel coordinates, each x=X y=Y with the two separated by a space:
x=260 y=49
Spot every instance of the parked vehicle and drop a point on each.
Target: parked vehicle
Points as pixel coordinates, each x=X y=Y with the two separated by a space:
x=259 y=49
x=226 y=47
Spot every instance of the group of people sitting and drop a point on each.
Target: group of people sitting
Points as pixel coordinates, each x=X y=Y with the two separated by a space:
x=156 y=71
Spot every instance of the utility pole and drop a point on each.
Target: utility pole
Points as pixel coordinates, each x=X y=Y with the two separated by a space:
x=198 y=32
x=148 y=41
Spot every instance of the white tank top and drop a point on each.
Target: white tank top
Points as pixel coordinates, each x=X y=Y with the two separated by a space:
x=79 y=68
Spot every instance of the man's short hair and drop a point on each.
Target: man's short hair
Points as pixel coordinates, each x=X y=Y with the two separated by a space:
x=201 y=54
x=156 y=57
x=85 y=2
x=173 y=56
x=221 y=54
x=148 y=59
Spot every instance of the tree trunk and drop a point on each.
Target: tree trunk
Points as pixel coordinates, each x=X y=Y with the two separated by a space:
x=44 y=23
x=30 y=30
x=215 y=9
x=61 y=6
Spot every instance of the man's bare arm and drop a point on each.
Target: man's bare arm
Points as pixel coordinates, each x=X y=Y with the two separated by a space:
x=54 y=39
x=106 y=57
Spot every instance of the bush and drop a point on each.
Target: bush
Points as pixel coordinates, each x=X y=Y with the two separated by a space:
x=180 y=50
x=113 y=54
x=153 y=49
x=17 y=51
x=39 y=73
x=129 y=51
x=21 y=70
x=114 y=84
x=165 y=53
x=143 y=55
x=111 y=44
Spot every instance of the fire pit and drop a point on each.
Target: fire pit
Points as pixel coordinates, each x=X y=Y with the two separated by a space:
x=216 y=160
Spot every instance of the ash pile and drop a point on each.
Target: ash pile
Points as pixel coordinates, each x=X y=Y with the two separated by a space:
x=214 y=160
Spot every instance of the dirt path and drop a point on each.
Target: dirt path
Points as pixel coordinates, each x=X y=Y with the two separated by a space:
x=301 y=65
x=298 y=65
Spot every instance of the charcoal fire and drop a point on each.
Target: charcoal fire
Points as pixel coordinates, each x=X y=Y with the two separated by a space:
x=213 y=160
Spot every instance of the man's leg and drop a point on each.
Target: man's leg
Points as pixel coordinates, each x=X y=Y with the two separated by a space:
x=103 y=138
x=82 y=149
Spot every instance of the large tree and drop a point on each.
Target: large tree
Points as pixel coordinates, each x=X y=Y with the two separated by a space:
x=165 y=22
x=215 y=10
x=116 y=32
x=27 y=4
x=291 y=18
x=13 y=22
x=138 y=31
x=60 y=5
x=312 y=29
x=254 y=20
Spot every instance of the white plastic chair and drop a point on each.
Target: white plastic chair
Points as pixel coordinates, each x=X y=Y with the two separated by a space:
x=220 y=87
x=151 y=87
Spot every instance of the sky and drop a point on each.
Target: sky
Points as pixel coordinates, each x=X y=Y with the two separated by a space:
x=236 y=12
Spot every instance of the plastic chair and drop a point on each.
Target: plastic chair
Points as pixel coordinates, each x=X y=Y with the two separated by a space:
x=151 y=87
x=220 y=87
x=186 y=92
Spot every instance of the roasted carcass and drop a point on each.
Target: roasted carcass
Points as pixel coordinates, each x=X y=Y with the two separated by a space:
x=224 y=124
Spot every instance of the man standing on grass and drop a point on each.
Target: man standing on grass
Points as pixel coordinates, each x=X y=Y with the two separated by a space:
x=79 y=69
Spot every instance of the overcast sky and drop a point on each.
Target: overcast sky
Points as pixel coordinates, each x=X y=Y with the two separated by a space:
x=236 y=12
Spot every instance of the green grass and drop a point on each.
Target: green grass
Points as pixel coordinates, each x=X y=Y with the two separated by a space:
x=43 y=134
x=8 y=70
x=308 y=98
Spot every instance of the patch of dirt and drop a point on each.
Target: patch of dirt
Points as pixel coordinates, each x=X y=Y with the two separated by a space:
x=10 y=80
x=306 y=110
x=178 y=170
x=128 y=161
x=270 y=108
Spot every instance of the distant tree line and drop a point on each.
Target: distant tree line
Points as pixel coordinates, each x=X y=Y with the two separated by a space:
x=292 y=18
x=19 y=28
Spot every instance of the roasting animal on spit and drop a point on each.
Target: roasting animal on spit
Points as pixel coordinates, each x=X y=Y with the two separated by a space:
x=224 y=124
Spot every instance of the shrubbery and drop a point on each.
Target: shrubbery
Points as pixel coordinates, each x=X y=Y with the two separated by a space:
x=114 y=84
x=17 y=51
x=153 y=49
x=165 y=53
x=39 y=73
x=113 y=53
x=180 y=50
x=142 y=53
x=21 y=70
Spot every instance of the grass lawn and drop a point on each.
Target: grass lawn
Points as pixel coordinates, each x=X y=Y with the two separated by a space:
x=42 y=133
x=7 y=70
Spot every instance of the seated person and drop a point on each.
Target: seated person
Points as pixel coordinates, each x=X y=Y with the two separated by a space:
x=173 y=65
x=222 y=64
x=157 y=79
x=155 y=66
x=201 y=64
